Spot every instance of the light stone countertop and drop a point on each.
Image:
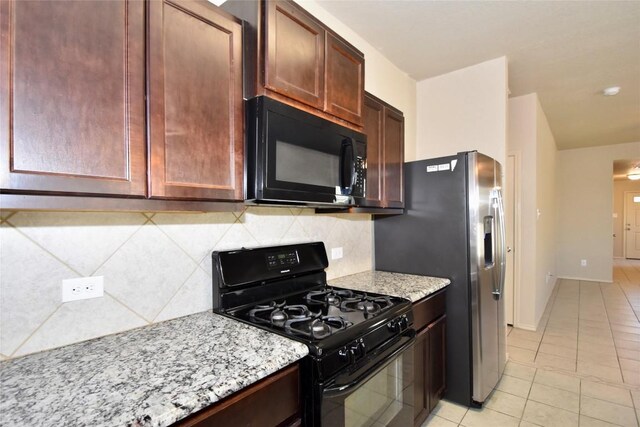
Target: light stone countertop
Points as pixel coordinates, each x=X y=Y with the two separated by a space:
x=407 y=286
x=151 y=376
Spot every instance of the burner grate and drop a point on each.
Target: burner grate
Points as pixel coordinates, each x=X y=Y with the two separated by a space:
x=297 y=319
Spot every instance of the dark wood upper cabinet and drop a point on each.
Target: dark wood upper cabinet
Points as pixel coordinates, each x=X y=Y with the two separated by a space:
x=72 y=97
x=384 y=127
x=393 y=158
x=373 y=121
x=294 y=54
x=344 y=80
x=294 y=58
x=195 y=102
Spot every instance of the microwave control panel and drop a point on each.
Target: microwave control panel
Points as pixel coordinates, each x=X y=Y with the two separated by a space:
x=359 y=186
x=282 y=260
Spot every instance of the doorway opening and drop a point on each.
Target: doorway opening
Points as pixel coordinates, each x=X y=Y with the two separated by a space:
x=626 y=209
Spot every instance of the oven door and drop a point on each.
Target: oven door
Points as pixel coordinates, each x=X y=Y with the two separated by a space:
x=380 y=393
x=304 y=158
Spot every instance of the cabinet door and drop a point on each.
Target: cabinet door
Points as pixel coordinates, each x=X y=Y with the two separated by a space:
x=195 y=102
x=344 y=79
x=72 y=97
x=373 y=117
x=294 y=54
x=421 y=377
x=393 y=159
x=437 y=358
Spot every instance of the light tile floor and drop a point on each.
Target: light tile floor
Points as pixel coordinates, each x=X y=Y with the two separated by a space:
x=580 y=368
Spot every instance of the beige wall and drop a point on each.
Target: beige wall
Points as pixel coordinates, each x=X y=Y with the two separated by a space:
x=464 y=110
x=546 y=160
x=155 y=267
x=522 y=141
x=619 y=187
x=530 y=138
x=381 y=77
x=585 y=205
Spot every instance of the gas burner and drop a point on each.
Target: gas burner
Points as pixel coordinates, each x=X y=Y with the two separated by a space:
x=279 y=313
x=259 y=309
x=282 y=313
x=331 y=296
x=367 y=305
x=316 y=327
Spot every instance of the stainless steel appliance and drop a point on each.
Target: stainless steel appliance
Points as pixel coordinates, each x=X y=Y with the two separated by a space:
x=453 y=226
x=296 y=157
x=359 y=371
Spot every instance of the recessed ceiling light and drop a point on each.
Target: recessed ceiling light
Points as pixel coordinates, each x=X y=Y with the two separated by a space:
x=634 y=176
x=611 y=91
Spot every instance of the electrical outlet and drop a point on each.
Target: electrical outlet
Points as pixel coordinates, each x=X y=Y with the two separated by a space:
x=336 y=253
x=82 y=288
x=583 y=262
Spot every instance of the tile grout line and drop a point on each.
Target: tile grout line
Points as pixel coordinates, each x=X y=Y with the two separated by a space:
x=175 y=293
x=579 y=323
x=121 y=245
x=12 y=355
x=173 y=241
x=615 y=349
x=128 y=308
x=17 y=229
x=579 y=395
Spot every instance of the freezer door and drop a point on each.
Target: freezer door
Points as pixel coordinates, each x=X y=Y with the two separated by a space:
x=502 y=264
x=486 y=267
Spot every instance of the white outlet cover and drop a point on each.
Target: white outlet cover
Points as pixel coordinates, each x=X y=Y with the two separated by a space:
x=82 y=288
x=583 y=262
x=336 y=253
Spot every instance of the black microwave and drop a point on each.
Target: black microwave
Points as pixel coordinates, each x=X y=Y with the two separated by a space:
x=298 y=158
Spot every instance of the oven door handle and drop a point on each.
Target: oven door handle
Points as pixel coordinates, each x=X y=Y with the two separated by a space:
x=379 y=363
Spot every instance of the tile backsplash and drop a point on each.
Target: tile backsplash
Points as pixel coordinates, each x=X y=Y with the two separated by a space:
x=155 y=266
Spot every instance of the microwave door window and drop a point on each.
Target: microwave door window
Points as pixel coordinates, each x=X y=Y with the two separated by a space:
x=303 y=165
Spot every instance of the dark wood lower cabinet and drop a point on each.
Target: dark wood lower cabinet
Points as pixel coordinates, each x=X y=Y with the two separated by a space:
x=437 y=361
x=274 y=401
x=429 y=355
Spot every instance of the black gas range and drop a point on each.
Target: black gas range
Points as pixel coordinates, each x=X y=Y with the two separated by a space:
x=359 y=368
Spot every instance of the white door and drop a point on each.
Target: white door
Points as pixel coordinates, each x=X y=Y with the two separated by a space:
x=632 y=225
x=510 y=219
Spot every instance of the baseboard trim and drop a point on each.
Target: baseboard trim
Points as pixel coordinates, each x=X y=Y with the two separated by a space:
x=525 y=327
x=585 y=279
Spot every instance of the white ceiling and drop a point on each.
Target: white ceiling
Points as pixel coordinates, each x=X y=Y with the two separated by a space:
x=566 y=51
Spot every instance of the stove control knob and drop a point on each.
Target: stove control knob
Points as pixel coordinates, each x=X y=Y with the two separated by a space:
x=404 y=322
x=346 y=355
x=358 y=349
x=394 y=325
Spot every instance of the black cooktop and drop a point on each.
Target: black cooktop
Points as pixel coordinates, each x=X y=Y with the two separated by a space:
x=284 y=289
x=319 y=313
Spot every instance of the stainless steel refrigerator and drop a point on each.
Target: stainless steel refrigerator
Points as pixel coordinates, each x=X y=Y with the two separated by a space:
x=453 y=226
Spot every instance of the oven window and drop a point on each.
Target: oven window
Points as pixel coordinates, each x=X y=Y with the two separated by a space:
x=386 y=399
x=378 y=401
x=304 y=165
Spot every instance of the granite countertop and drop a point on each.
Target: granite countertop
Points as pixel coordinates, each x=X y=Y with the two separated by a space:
x=407 y=286
x=152 y=376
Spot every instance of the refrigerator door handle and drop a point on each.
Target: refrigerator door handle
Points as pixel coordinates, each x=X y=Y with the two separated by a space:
x=499 y=207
